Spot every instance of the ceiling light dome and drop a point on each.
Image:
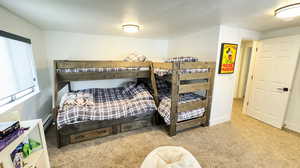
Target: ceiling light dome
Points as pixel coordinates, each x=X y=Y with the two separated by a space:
x=130 y=28
x=288 y=11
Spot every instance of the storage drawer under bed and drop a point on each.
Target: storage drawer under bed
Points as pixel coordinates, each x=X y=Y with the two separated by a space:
x=135 y=125
x=90 y=134
x=114 y=129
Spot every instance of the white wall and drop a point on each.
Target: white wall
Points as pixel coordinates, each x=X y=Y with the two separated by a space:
x=281 y=32
x=202 y=44
x=224 y=83
x=38 y=106
x=66 y=45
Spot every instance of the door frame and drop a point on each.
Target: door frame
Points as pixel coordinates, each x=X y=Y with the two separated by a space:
x=245 y=45
x=250 y=76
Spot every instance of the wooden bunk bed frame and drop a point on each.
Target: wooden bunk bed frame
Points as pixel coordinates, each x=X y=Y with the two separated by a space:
x=177 y=88
x=74 y=133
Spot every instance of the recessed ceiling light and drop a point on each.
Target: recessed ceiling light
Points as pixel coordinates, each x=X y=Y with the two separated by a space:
x=131 y=28
x=288 y=11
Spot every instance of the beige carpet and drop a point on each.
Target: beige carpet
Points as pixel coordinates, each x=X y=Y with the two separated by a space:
x=244 y=142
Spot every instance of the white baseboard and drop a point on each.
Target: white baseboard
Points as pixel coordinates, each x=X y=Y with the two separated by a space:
x=293 y=127
x=219 y=120
x=47 y=121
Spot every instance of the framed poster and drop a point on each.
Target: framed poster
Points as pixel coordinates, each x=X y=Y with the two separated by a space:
x=228 y=57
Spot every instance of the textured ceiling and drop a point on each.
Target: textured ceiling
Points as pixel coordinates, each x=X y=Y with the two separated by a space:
x=158 y=18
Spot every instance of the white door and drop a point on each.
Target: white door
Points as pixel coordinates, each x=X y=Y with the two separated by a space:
x=271 y=79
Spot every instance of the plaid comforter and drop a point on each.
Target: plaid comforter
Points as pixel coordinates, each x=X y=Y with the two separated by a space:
x=110 y=103
x=164 y=108
x=116 y=69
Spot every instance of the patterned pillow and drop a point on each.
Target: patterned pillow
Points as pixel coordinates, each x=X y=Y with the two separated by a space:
x=134 y=57
x=77 y=99
x=183 y=59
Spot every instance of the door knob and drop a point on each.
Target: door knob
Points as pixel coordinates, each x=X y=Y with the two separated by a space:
x=285 y=89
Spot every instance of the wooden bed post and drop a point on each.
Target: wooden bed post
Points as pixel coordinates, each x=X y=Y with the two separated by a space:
x=55 y=110
x=155 y=92
x=174 y=98
x=153 y=83
x=55 y=84
x=210 y=91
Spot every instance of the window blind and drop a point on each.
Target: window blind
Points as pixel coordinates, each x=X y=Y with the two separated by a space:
x=17 y=72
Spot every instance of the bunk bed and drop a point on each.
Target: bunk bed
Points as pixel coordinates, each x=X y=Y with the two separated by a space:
x=90 y=113
x=183 y=92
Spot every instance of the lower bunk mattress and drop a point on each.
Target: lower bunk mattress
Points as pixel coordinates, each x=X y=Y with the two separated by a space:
x=105 y=104
x=164 y=108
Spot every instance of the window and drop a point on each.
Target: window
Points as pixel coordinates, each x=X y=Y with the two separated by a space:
x=17 y=71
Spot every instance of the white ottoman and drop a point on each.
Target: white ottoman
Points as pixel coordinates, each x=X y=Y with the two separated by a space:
x=170 y=157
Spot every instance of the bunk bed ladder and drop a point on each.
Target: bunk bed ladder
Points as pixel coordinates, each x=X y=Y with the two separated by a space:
x=178 y=88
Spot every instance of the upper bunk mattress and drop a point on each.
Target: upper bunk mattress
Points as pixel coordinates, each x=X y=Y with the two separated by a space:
x=162 y=72
x=105 y=104
x=115 y=69
x=164 y=108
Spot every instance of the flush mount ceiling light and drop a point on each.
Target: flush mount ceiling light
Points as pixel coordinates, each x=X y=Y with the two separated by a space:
x=130 y=28
x=288 y=11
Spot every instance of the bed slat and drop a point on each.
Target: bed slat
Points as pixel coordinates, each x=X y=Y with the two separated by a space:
x=190 y=123
x=195 y=65
x=159 y=65
x=81 y=76
x=192 y=76
x=191 y=105
x=187 y=88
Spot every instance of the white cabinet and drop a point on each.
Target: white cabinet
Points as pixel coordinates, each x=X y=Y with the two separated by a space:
x=38 y=158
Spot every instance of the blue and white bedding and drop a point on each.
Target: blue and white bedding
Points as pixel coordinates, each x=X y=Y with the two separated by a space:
x=164 y=108
x=105 y=104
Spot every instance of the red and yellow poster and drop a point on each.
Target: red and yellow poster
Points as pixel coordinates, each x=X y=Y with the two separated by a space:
x=227 y=60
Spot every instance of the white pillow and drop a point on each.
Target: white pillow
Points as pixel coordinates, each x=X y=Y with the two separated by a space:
x=170 y=157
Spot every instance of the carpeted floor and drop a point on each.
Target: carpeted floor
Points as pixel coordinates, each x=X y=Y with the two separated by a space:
x=242 y=143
